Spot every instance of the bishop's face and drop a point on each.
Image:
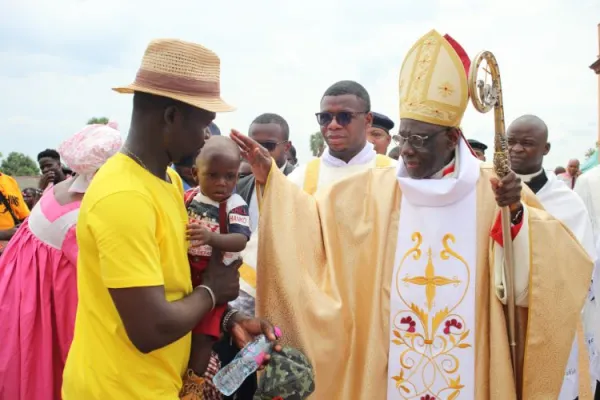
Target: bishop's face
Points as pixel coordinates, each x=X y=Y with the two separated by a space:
x=425 y=148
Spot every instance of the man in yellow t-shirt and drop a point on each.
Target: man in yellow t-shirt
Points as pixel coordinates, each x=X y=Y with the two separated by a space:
x=13 y=209
x=137 y=306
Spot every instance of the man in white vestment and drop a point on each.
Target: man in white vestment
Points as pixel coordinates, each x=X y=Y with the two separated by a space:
x=528 y=144
x=392 y=281
x=572 y=174
x=344 y=119
x=587 y=187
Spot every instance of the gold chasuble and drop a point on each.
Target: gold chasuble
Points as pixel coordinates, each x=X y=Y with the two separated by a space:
x=392 y=286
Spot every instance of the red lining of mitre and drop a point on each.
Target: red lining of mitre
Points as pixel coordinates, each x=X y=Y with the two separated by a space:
x=462 y=54
x=466 y=61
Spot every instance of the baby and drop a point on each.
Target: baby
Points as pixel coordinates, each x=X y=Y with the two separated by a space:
x=218 y=219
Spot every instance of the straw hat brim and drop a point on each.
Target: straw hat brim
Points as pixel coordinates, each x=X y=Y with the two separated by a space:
x=209 y=103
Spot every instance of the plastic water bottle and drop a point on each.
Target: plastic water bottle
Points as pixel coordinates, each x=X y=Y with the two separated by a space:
x=247 y=361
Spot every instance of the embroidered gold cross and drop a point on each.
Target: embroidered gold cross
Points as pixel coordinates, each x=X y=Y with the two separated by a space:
x=430 y=281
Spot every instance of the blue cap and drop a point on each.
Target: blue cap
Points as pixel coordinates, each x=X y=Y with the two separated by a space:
x=382 y=122
x=477 y=145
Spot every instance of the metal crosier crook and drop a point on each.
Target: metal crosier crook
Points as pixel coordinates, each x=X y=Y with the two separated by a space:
x=485 y=97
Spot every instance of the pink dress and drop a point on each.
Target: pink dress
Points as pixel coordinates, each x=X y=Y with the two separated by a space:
x=38 y=301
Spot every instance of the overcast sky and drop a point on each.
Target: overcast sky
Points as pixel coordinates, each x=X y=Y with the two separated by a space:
x=60 y=58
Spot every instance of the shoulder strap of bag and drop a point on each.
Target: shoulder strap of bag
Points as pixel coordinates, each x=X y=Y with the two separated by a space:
x=382 y=161
x=311 y=176
x=4 y=201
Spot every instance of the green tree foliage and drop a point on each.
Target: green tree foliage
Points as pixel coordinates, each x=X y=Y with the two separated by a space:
x=19 y=164
x=589 y=152
x=95 y=120
x=317 y=144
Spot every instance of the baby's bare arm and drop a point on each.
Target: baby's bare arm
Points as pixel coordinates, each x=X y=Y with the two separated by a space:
x=231 y=242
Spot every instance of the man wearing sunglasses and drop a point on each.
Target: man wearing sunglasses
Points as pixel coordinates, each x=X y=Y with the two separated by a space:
x=403 y=269
x=344 y=119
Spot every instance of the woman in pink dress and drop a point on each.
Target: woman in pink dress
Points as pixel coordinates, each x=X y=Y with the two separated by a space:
x=38 y=282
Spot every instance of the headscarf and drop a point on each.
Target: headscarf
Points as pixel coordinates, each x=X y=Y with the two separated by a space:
x=87 y=150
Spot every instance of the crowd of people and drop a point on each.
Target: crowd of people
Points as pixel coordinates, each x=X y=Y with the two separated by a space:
x=141 y=266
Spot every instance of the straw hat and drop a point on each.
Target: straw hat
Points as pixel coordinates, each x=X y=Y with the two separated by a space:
x=182 y=71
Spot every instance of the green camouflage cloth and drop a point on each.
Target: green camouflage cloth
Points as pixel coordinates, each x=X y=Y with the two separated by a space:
x=289 y=376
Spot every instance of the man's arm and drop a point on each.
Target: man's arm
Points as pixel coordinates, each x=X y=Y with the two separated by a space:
x=7 y=234
x=152 y=322
x=132 y=272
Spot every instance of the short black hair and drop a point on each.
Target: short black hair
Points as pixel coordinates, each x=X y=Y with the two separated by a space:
x=49 y=153
x=270 y=118
x=350 y=87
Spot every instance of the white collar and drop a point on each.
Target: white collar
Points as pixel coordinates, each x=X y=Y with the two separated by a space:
x=282 y=168
x=528 y=177
x=365 y=156
x=442 y=192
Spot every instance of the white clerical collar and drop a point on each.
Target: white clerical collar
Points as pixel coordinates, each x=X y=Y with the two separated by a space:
x=365 y=156
x=528 y=177
x=442 y=192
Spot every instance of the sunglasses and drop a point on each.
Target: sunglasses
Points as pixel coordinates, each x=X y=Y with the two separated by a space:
x=270 y=146
x=342 y=117
x=416 y=141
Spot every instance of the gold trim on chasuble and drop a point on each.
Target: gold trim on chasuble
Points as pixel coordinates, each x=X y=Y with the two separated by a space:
x=311 y=175
x=430 y=336
x=433 y=84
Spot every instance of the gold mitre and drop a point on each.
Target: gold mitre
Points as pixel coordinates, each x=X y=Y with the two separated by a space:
x=433 y=81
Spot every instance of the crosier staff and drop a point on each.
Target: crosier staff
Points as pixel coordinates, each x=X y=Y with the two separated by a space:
x=487 y=96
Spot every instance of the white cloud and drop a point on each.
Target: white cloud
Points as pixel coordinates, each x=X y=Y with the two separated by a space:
x=61 y=58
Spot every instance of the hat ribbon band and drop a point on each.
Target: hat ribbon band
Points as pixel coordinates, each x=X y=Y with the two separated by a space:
x=173 y=83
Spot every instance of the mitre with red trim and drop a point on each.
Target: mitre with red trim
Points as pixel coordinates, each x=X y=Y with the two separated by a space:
x=433 y=81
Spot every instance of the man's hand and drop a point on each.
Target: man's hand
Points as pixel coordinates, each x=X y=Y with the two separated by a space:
x=244 y=329
x=507 y=190
x=47 y=179
x=224 y=280
x=257 y=156
x=198 y=235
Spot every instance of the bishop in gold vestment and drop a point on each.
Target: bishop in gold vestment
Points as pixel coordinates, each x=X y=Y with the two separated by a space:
x=393 y=286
